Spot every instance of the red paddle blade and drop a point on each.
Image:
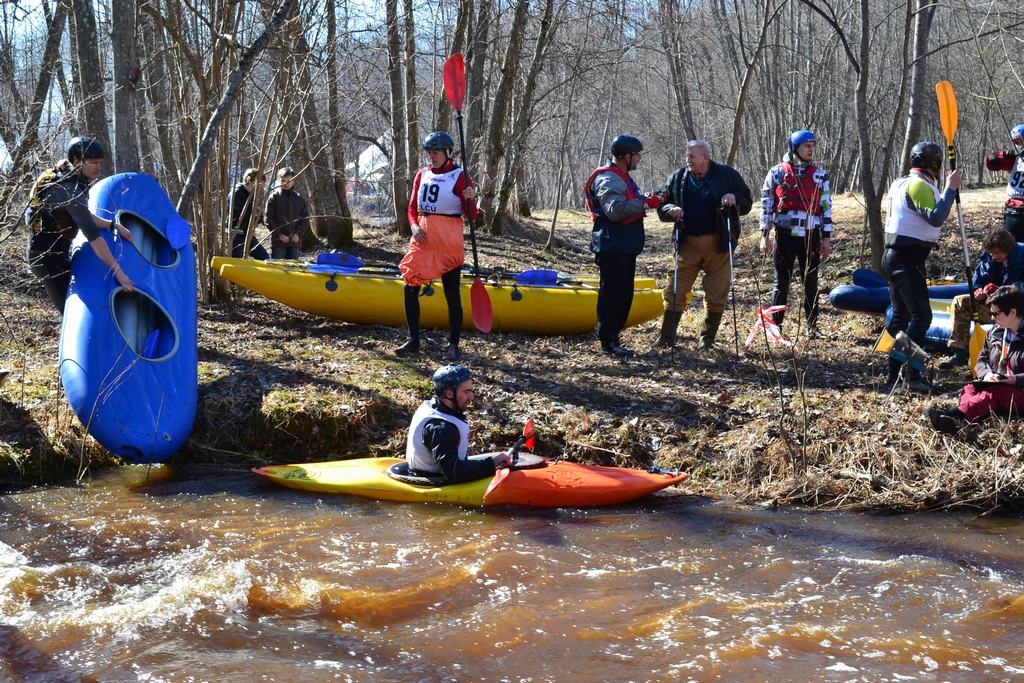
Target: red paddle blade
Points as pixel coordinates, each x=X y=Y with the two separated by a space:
x=480 y=302
x=528 y=435
x=455 y=80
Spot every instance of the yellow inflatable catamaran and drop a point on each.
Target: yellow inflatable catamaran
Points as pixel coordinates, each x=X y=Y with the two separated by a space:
x=543 y=303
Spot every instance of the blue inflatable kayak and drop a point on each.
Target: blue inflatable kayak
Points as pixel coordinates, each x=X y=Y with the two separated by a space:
x=869 y=294
x=129 y=361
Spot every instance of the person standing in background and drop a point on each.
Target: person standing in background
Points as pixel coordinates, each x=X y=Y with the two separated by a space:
x=797 y=202
x=287 y=217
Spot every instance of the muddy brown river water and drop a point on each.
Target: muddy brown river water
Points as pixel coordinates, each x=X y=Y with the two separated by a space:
x=207 y=574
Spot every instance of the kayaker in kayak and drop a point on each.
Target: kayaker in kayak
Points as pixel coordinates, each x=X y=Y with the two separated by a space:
x=438 y=440
x=441 y=195
x=58 y=208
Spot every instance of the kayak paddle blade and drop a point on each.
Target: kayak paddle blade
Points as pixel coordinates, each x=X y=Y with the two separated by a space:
x=948 y=112
x=455 y=80
x=480 y=301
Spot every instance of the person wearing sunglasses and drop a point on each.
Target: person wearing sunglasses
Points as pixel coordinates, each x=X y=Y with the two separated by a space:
x=1000 y=369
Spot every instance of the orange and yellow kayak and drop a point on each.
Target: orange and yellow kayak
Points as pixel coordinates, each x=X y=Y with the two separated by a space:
x=557 y=484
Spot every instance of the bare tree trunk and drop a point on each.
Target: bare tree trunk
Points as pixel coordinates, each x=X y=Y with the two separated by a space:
x=339 y=232
x=675 y=52
x=30 y=131
x=574 y=78
x=158 y=94
x=412 y=120
x=90 y=76
x=499 y=114
x=399 y=152
x=521 y=128
x=748 y=75
x=443 y=117
x=872 y=198
x=474 y=106
x=925 y=11
x=126 y=76
x=245 y=65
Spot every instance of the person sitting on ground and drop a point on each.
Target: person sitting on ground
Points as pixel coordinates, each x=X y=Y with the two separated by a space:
x=58 y=209
x=438 y=441
x=1012 y=160
x=1000 y=368
x=1001 y=263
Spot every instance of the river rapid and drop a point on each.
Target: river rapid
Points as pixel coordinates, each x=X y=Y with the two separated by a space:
x=200 y=574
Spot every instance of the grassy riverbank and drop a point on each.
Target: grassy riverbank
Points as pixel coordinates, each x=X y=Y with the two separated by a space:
x=767 y=426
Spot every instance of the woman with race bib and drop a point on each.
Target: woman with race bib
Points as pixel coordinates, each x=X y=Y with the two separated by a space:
x=441 y=195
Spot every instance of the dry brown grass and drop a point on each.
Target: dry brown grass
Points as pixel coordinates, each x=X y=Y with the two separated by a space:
x=766 y=426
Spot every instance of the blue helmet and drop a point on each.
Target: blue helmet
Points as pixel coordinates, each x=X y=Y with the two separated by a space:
x=799 y=137
x=439 y=140
x=1018 y=133
x=449 y=377
x=626 y=144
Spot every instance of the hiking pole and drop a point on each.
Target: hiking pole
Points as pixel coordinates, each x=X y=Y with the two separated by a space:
x=727 y=215
x=732 y=284
x=675 y=262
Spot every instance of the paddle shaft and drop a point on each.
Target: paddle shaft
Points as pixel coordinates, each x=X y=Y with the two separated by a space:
x=469 y=211
x=732 y=280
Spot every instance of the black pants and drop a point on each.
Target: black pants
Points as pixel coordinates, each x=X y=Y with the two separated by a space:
x=904 y=268
x=805 y=254
x=52 y=268
x=1014 y=224
x=614 y=294
x=257 y=251
x=451 y=282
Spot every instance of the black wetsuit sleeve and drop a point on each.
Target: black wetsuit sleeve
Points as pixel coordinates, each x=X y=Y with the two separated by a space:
x=442 y=439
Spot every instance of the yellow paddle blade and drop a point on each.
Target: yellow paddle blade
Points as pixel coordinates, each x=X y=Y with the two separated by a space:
x=885 y=342
x=948 y=113
x=975 y=344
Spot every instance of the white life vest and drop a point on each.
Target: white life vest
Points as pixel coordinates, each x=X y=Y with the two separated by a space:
x=1015 y=185
x=417 y=455
x=903 y=220
x=437 y=193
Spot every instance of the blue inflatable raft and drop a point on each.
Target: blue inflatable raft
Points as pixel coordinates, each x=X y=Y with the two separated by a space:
x=129 y=361
x=869 y=294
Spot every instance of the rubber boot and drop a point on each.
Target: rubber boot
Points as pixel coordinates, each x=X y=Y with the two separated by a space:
x=669 y=323
x=712 y=321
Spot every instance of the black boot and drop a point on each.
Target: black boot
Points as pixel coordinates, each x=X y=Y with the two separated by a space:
x=712 y=321
x=669 y=323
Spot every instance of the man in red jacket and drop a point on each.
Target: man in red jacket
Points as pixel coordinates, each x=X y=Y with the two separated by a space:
x=1012 y=160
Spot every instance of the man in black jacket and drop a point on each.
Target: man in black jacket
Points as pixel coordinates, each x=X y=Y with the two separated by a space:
x=287 y=217
x=696 y=197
